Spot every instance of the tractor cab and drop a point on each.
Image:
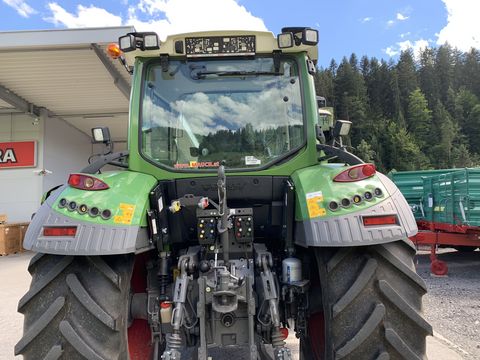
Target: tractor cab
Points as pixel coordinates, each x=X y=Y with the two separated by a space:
x=244 y=99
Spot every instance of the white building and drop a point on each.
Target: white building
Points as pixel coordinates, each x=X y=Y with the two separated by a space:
x=55 y=85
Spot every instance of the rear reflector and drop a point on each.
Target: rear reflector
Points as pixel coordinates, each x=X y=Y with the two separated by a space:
x=60 y=231
x=380 y=220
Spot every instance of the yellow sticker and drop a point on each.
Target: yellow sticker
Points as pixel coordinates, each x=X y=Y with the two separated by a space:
x=125 y=214
x=314 y=204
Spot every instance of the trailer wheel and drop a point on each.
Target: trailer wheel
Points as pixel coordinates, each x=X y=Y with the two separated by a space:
x=77 y=308
x=372 y=305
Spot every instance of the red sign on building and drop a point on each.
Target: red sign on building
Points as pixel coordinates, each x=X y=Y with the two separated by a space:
x=18 y=154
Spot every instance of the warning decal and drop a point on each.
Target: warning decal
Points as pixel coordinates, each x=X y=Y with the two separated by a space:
x=125 y=214
x=314 y=204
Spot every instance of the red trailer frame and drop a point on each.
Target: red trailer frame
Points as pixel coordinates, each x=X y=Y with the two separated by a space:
x=441 y=234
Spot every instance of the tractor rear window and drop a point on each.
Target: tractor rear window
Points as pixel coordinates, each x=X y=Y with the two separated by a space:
x=195 y=114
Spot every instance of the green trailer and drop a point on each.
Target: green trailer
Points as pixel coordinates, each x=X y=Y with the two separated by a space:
x=446 y=206
x=446 y=196
x=411 y=184
x=453 y=199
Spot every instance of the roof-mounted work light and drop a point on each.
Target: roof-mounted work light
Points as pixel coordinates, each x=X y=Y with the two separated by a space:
x=127 y=43
x=150 y=41
x=310 y=36
x=301 y=35
x=101 y=135
x=285 y=40
x=142 y=41
x=342 y=128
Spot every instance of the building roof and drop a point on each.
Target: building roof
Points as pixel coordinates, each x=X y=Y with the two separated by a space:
x=67 y=72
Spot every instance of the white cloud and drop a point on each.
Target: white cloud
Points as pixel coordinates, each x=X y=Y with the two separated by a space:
x=390 y=23
x=86 y=17
x=463 y=28
x=417 y=46
x=22 y=8
x=170 y=17
x=404 y=35
x=163 y=16
x=366 y=19
x=402 y=17
x=391 y=51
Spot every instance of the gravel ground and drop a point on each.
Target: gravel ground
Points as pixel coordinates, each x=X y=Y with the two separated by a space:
x=452 y=304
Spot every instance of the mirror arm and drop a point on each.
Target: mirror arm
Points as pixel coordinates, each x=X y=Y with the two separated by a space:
x=343 y=155
x=104 y=160
x=319 y=134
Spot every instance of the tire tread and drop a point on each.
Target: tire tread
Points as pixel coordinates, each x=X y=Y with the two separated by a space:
x=54 y=353
x=400 y=345
x=44 y=281
x=360 y=283
x=76 y=308
x=86 y=300
x=40 y=324
x=371 y=303
x=74 y=339
x=370 y=325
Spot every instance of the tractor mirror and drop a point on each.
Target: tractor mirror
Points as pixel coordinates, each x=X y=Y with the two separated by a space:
x=101 y=135
x=285 y=40
x=341 y=128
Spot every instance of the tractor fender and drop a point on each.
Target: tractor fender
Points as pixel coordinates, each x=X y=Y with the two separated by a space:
x=124 y=232
x=318 y=225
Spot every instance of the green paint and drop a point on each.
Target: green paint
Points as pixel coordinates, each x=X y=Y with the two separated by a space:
x=126 y=187
x=320 y=178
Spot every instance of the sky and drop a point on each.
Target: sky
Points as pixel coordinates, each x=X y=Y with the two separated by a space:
x=376 y=28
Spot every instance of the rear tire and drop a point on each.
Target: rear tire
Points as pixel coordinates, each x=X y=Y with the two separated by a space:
x=372 y=305
x=76 y=308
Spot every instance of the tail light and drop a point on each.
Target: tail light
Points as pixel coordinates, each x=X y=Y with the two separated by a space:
x=380 y=220
x=86 y=182
x=356 y=173
x=70 y=231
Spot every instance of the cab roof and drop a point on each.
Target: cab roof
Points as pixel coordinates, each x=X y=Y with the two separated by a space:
x=265 y=43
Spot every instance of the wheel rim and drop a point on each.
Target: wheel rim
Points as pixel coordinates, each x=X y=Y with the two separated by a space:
x=316 y=333
x=139 y=334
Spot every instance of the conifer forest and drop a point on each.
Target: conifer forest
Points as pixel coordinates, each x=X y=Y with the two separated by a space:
x=419 y=112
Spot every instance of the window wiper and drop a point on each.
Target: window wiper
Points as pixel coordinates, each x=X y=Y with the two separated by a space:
x=197 y=75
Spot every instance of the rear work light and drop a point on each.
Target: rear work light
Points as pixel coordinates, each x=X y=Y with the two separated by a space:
x=356 y=173
x=86 y=182
x=70 y=231
x=380 y=220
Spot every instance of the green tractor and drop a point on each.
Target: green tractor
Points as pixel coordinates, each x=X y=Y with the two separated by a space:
x=234 y=216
